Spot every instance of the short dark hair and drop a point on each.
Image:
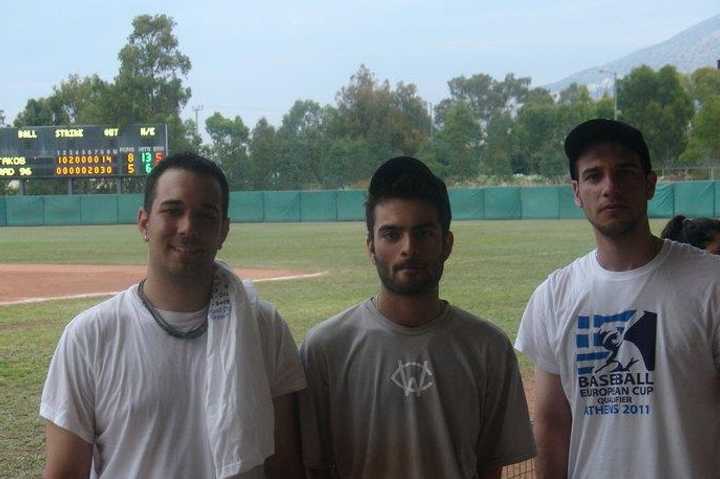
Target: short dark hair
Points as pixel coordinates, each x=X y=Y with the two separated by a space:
x=406 y=177
x=602 y=131
x=191 y=162
x=698 y=232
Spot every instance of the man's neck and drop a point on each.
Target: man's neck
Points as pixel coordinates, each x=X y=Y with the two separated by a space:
x=409 y=310
x=178 y=294
x=627 y=252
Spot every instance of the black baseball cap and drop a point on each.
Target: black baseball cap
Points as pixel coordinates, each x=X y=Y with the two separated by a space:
x=601 y=130
x=408 y=176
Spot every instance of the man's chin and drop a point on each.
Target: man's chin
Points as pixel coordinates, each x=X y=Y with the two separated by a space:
x=410 y=288
x=616 y=229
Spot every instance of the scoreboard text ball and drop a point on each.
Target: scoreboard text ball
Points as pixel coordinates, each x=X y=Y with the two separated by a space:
x=80 y=151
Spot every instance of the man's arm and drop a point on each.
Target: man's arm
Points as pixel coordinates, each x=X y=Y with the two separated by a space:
x=68 y=456
x=553 y=421
x=286 y=462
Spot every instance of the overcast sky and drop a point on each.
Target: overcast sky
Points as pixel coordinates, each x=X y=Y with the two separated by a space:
x=255 y=59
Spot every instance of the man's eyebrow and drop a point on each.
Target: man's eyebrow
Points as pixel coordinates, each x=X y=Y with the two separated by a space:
x=428 y=225
x=171 y=203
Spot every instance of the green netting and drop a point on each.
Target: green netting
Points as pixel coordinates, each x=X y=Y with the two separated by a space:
x=567 y=209
x=540 y=202
x=99 y=209
x=282 y=206
x=25 y=210
x=247 y=206
x=3 y=212
x=62 y=210
x=350 y=205
x=662 y=204
x=318 y=206
x=467 y=204
x=695 y=198
x=128 y=206
x=691 y=198
x=502 y=203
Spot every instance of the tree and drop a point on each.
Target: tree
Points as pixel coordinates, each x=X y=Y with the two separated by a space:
x=148 y=87
x=262 y=174
x=704 y=143
x=485 y=96
x=229 y=147
x=498 y=150
x=2 y=118
x=457 y=144
x=657 y=104
x=704 y=84
x=301 y=139
x=390 y=121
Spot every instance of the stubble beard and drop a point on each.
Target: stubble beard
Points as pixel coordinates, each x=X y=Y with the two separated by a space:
x=617 y=229
x=413 y=288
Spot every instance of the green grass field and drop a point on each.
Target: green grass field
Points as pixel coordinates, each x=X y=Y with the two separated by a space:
x=493 y=270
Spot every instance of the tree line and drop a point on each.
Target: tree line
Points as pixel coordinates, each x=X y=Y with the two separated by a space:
x=487 y=129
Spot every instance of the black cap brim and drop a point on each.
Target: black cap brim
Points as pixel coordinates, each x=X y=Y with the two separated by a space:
x=601 y=130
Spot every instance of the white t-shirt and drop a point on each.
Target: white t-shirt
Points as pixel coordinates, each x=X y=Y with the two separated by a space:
x=120 y=382
x=638 y=354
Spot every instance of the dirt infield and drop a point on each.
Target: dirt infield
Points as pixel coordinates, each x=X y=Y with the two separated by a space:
x=24 y=283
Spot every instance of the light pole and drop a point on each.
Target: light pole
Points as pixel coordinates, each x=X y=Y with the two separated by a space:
x=615 y=108
x=196 y=109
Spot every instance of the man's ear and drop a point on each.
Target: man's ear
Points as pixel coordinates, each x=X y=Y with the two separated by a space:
x=448 y=244
x=576 y=193
x=142 y=219
x=370 y=245
x=224 y=232
x=651 y=184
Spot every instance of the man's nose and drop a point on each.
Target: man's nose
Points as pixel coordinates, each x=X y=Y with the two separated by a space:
x=186 y=224
x=611 y=184
x=409 y=244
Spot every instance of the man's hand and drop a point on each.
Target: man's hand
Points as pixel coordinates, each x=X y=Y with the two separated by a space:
x=68 y=456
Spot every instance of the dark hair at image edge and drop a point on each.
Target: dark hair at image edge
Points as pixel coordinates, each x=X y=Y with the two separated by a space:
x=405 y=177
x=191 y=162
x=698 y=232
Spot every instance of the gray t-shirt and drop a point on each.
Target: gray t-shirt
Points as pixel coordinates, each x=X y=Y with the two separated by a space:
x=437 y=401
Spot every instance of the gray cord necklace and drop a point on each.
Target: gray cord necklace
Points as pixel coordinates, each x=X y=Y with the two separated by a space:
x=172 y=331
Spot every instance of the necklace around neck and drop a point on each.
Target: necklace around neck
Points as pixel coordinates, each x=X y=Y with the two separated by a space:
x=167 y=327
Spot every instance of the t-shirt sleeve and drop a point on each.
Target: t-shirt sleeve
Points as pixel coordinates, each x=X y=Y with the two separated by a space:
x=533 y=338
x=68 y=398
x=285 y=372
x=506 y=436
x=315 y=409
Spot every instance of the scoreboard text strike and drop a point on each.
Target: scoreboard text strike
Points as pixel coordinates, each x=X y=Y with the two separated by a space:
x=80 y=151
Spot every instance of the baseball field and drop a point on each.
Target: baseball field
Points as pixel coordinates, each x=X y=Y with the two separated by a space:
x=318 y=270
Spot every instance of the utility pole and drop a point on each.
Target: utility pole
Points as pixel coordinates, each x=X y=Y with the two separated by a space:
x=197 y=109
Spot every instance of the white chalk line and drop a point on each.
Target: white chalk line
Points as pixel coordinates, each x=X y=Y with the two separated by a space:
x=112 y=293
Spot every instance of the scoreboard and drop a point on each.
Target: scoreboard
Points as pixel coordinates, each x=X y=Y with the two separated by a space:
x=81 y=151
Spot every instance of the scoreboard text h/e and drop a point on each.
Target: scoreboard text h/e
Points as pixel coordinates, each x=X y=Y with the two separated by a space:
x=81 y=151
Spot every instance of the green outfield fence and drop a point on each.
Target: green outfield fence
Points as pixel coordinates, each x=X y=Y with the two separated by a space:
x=697 y=198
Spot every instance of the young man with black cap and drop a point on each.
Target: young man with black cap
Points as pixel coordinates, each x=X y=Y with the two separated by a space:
x=404 y=384
x=625 y=340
